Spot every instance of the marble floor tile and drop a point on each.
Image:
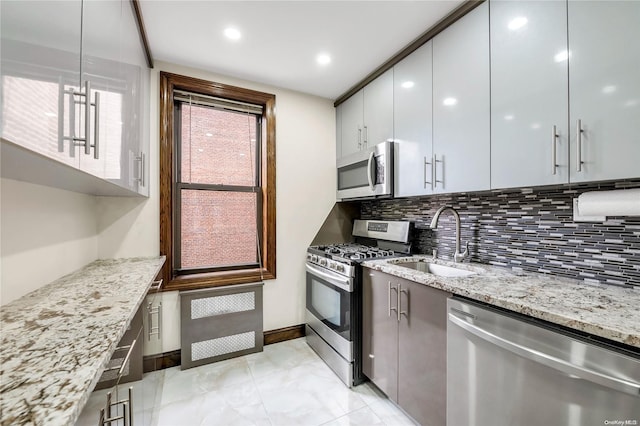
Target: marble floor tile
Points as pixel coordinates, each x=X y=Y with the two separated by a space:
x=193 y=382
x=362 y=417
x=306 y=395
x=286 y=385
x=232 y=405
x=390 y=414
x=280 y=357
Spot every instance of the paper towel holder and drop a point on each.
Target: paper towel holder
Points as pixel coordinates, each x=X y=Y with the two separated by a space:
x=577 y=217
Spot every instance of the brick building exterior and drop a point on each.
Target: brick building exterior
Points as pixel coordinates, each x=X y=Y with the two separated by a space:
x=218 y=227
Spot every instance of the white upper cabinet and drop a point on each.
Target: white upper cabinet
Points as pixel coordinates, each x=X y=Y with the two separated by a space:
x=351 y=125
x=40 y=71
x=461 y=104
x=412 y=123
x=378 y=110
x=604 y=89
x=366 y=118
x=82 y=62
x=529 y=93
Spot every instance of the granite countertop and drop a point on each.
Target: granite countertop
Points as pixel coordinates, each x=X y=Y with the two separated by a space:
x=605 y=311
x=57 y=340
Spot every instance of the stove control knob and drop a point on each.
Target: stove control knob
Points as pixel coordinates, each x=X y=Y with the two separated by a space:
x=323 y=262
x=340 y=267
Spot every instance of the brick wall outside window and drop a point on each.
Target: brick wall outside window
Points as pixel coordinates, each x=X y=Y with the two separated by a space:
x=218 y=228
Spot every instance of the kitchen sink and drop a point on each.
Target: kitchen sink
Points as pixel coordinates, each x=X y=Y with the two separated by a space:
x=435 y=269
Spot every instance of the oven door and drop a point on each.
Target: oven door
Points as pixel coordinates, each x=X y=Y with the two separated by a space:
x=330 y=303
x=366 y=174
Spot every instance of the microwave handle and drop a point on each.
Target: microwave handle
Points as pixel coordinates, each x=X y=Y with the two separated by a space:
x=370 y=170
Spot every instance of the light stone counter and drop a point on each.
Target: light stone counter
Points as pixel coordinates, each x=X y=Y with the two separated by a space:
x=605 y=311
x=57 y=340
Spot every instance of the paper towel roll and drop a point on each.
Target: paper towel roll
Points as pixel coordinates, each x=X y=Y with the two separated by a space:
x=624 y=202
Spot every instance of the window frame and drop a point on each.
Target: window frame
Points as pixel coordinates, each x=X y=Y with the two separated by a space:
x=170 y=82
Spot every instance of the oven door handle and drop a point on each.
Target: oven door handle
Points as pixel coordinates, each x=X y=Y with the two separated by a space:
x=344 y=283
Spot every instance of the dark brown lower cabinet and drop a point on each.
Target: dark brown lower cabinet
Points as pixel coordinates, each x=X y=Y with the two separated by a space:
x=405 y=344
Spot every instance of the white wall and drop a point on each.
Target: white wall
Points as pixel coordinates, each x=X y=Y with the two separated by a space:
x=46 y=233
x=305 y=193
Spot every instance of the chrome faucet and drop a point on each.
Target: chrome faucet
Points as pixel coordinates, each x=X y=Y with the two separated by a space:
x=457 y=256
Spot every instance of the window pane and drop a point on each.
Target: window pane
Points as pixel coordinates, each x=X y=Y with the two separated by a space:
x=218 y=147
x=218 y=228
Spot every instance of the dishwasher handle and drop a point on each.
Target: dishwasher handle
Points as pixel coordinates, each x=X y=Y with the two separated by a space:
x=621 y=385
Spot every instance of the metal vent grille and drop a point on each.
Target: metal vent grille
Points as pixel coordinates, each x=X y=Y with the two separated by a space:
x=218 y=305
x=222 y=345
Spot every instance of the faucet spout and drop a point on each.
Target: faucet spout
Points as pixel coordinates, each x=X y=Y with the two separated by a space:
x=457 y=256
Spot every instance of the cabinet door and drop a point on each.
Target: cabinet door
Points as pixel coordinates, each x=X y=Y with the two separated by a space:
x=604 y=89
x=101 y=51
x=461 y=104
x=529 y=94
x=134 y=73
x=40 y=57
x=338 y=131
x=380 y=331
x=352 y=125
x=422 y=352
x=412 y=123
x=378 y=110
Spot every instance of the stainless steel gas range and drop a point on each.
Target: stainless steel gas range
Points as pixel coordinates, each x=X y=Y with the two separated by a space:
x=334 y=292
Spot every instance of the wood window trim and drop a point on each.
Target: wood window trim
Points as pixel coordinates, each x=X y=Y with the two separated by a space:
x=168 y=83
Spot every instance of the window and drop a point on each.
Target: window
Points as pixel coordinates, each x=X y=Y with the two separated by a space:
x=217 y=183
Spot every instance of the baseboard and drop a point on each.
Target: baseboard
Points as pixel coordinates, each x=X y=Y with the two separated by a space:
x=161 y=361
x=282 y=334
x=172 y=359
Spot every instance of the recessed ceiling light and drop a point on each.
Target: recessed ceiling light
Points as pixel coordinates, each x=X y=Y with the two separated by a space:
x=508 y=117
x=323 y=59
x=50 y=114
x=535 y=126
x=408 y=84
x=609 y=89
x=517 y=23
x=449 y=101
x=209 y=135
x=232 y=33
x=631 y=103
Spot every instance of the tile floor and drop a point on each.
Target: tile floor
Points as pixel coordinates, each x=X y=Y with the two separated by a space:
x=286 y=384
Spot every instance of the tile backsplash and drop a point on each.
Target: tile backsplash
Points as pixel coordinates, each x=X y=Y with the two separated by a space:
x=528 y=229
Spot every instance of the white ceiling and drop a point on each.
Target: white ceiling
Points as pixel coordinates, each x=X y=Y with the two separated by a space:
x=281 y=39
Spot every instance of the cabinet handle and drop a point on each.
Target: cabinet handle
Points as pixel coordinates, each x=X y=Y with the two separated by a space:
x=435 y=166
x=405 y=313
x=87 y=116
x=151 y=311
x=427 y=182
x=61 y=93
x=156 y=285
x=96 y=128
x=126 y=358
x=127 y=410
x=579 y=145
x=359 y=138
x=389 y=298
x=86 y=142
x=140 y=179
x=72 y=120
x=554 y=145
x=398 y=291
x=366 y=137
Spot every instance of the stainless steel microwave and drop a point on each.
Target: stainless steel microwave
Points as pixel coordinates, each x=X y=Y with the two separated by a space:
x=367 y=173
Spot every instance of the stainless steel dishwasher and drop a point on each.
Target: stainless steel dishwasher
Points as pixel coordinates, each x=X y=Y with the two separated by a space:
x=505 y=369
